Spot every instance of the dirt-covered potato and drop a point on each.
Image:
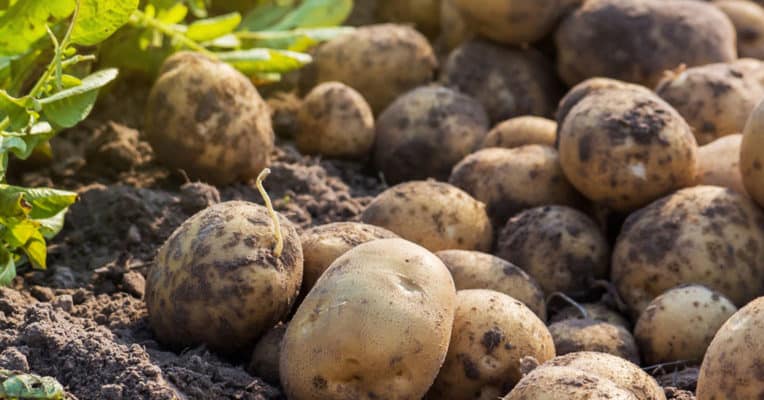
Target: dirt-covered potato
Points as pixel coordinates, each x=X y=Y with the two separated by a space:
x=624 y=147
x=559 y=246
x=748 y=19
x=573 y=335
x=521 y=131
x=715 y=99
x=205 y=118
x=335 y=121
x=425 y=132
x=512 y=180
x=705 y=234
x=375 y=326
x=379 y=61
x=637 y=40
x=265 y=357
x=433 y=214
x=507 y=82
x=732 y=366
x=476 y=270
x=587 y=87
x=594 y=311
x=424 y=14
x=719 y=163
x=322 y=244
x=680 y=323
x=491 y=333
x=566 y=383
x=218 y=281
x=752 y=155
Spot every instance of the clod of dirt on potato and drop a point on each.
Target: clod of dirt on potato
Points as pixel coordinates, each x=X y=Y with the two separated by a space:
x=752 y=155
x=719 y=163
x=522 y=131
x=748 y=18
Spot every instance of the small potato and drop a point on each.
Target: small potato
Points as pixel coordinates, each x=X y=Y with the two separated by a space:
x=559 y=246
x=566 y=383
x=719 y=163
x=206 y=118
x=748 y=19
x=594 y=311
x=433 y=214
x=574 y=335
x=335 y=121
x=425 y=132
x=424 y=14
x=680 y=323
x=476 y=270
x=752 y=155
x=375 y=326
x=492 y=332
x=265 y=358
x=512 y=180
x=521 y=131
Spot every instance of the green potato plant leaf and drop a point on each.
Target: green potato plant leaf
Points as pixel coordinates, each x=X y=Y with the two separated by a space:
x=208 y=29
x=262 y=60
x=7 y=267
x=315 y=13
x=70 y=106
x=25 y=22
x=98 y=19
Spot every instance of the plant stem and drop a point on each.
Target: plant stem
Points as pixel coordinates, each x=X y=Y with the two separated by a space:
x=274 y=217
x=140 y=18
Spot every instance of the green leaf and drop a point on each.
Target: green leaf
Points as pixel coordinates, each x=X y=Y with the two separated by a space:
x=18 y=234
x=173 y=15
x=36 y=250
x=14 y=110
x=13 y=206
x=99 y=19
x=24 y=23
x=295 y=40
x=7 y=267
x=198 y=8
x=45 y=202
x=211 y=28
x=260 y=60
x=70 y=106
x=265 y=15
x=315 y=13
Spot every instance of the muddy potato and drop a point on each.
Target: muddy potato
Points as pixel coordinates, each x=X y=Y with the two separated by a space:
x=379 y=61
x=574 y=335
x=512 y=180
x=594 y=311
x=507 y=82
x=719 y=163
x=425 y=132
x=680 y=323
x=624 y=147
x=476 y=270
x=752 y=155
x=205 y=118
x=376 y=325
x=587 y=87
x=559 y=246
x=491 y=333
x=433 y=214
x=637 y=40
x=424 y=14
x=335 y=121
x=566 y=383
x=265 y=357
x=748 y=19
x=521 y=131
x=706 y=235
x=217 y=281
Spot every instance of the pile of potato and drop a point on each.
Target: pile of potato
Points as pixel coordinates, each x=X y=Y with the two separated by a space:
x=574 y=190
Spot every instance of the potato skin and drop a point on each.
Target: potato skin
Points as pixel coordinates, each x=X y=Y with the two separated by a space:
x=752 y=155
x=521 y=131
x=216 y=281
x=375 y=326
x=719 y=163
x=424 y=14
x=491 y=333
x=574 y=335
x=457 y=33
x=433 y=214
x=637 y=40
x=748 y=19
x=265 y=357
x=706 y=235
x=425 y=132
x=206 y=118
x=595 y=311
x=476 y=270
x=551 y=382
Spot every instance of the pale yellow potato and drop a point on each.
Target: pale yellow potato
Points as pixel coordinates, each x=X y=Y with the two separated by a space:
x=595 y=311
x=752 y=155
x=748 y=18
x=719 y=163
x=575 y=335
x=553 y=382
x=521 y=131
x=264 y=362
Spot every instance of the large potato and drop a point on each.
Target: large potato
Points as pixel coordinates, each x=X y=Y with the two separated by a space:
x=587 y=87
x=433 y=214
x=574 y=335
x=637 y=40
x=748 y=19
x=521 y=131
x=567 y=383
x=206 y=118
x=719 y=163
x=375 y=326
x=595 y=311
x=705 y=234
x=752 y=155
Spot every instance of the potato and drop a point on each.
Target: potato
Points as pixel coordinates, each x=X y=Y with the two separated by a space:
x=574 y=335
x=227 y=135
x=559 y=246
x=424 y=14
x=512 y=180
x=335 y=121
x=507 y=82
x=594 y=311
x=521 y=131
x=217 y=281
x=587 y=87
x=375 y=326
x=752 y=155
x=706 y=235
x=425 y=132
x=731 y=368
x=715 y=99
x=458 y=32
x=719 y=163
x=491 y=333
x=637 y=40
x=433 y=214
x=624 y=147
x=322 y=244
x=566 y=383
x=748 y=19
x=265 y=358
x=680 y=323
x=379 y=61
x=476 y=270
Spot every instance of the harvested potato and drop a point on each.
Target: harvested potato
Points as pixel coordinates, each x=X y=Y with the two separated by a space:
x=731 y=368
x=425 y=132
x=521 y=131
x=219 y=281
x=512 y=180
x=376 y=325
x=719 y=163
x=752 y=155
x=748 y=19
x=265 y=358
x=507 y=82
x=335 y=121
x=476 y=270
x=491 y=333
x=559 y=246
x=424 y=14
x=715 y=99
x=574 y=335
x=433 y=214
x=624 y=147
x=680 y=323
x=322 y=244
x=206 y=118
x=637 y=40
x=705 y=234
x=458 y=32
x=594 y=311
x=379 y=61
x=566 y=383
x=587 y=87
